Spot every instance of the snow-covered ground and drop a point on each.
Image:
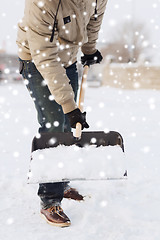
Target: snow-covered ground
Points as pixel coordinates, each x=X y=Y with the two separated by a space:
x=117 y=210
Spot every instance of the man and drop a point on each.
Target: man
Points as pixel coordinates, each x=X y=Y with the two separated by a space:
x=49 y=37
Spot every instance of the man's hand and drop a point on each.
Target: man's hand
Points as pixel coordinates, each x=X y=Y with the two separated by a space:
x=77 y=116
x=91 y=59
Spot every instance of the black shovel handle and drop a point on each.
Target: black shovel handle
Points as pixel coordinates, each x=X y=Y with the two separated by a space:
x=78 y=131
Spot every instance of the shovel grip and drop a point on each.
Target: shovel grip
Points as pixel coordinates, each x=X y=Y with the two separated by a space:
x=78 y=131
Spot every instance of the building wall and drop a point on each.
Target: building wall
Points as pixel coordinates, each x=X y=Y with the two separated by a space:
x=131 y=76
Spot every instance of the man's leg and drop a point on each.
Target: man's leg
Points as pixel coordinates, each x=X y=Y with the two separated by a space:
x=50 y=118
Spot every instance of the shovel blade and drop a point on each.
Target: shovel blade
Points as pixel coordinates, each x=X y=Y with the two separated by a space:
x=72 y=163
x=98 y=138
x=61 y=157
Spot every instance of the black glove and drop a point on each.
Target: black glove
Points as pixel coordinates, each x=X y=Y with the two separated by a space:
x=91 y=59
x=77 y=116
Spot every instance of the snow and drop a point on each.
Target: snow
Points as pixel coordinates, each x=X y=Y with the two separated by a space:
x=115 y=210
x=49 y=165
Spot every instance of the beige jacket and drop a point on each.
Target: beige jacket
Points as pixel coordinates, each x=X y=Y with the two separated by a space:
x=76 y=27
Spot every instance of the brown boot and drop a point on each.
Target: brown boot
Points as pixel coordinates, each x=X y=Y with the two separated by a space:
x=72 y=193
x=55 y=216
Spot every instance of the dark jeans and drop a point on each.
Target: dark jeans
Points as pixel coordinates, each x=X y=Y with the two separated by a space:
x=49 y=113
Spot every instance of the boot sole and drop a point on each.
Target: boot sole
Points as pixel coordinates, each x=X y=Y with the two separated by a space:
x=77 y=200
x=66 y=224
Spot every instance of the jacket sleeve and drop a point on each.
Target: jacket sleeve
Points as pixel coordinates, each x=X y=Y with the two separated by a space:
x=45 y=55
x=93 y=28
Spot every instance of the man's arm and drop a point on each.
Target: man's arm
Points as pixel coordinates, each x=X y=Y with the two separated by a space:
x=93 y=28
x=44 y=54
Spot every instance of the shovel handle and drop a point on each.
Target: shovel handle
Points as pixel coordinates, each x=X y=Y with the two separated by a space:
x=78 y=131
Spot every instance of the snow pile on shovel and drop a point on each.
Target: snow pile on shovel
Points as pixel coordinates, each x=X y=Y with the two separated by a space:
x=74 y=163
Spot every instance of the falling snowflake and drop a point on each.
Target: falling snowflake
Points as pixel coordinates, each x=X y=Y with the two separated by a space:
x=56 y=123
x=16 y=154
x=10 y=221
x=103 y=203
x=48 y=125
x=60 y=165
x=40 y=3
x=52 y=141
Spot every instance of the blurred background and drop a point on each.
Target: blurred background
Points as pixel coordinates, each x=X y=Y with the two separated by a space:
x=129 y=41
x=122 y=95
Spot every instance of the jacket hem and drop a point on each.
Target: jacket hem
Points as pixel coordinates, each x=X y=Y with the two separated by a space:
x=24 y=56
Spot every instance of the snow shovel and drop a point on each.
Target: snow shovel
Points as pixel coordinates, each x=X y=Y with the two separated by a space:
x=64 y=156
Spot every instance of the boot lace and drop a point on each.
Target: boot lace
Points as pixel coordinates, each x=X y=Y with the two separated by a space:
x=56 y=209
